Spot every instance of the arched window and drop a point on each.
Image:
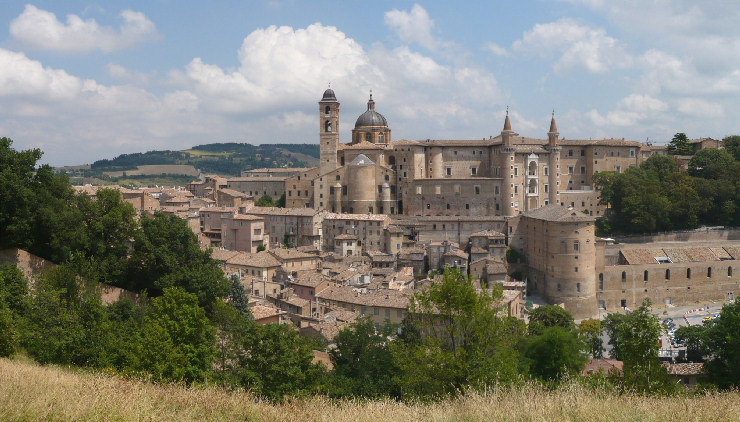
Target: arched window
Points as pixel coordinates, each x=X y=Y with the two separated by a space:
x=578 y=287
x=327 y=126
x=645 y=275
x=709 y=272
x=688 y=272
x=381 y=138
x=327 y=110
x=624 y=276
x=558 y=286
x=532 y=186
x=532 y=168
x=601 y=277
x=391 y=159
x=368 y=136
x=729 y=271
x=667 y=274
x=601 y=284
x=357 y=138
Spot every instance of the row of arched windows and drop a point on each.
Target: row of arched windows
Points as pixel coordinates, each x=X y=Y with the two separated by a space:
x=646 y=276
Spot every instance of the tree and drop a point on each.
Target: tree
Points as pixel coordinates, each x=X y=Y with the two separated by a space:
x=178 y=341
x=238 y=297
x=634 y=338
x=710 y=163
x=660 y=165
x=261 y=247
x=512 y=256
x=232 y=327
x=722 y=341
x=166 y=254
x=457 y=339
x=555 y=353
x=680 y=145
x=276 y=362
x=281 y=201
x=732 y=145
x=265 y=201
x=547 y=316
x=590 y=331
x=693 y=337
x=363 y=363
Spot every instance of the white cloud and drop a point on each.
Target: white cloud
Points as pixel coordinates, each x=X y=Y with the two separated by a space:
x=578 y=46
x=698 y=107
x=631 y=110
x=414 y=26
x=40 y=29
x=126 y=75
x=496 y=49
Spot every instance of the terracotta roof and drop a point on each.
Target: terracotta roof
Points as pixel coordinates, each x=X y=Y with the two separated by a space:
x=642 y=256
x=379 y=298
x=234 y=193
x=600 y=142
x=604 y=365
x=342 y=315
x=290 y=253
x=223 y=255
x=258 y=260
x=303 y=212
x=488 y=233
x=361 y=145
x=345 y=237
x=309 y=278
x=277 y=179
x=457 y=253
x=554 y=212
x=371 y=217
x=264 y=311
x=279 y=170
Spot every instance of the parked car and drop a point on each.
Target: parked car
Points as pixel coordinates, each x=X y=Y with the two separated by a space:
x=667 y=321
x=706 y=319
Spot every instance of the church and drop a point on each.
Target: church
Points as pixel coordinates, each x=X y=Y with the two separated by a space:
x=503 y=176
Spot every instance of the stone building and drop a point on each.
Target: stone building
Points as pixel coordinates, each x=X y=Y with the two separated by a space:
x=495 y=176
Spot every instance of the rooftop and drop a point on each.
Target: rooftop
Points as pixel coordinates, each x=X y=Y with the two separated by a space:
x=558 y=213
x=378 y=298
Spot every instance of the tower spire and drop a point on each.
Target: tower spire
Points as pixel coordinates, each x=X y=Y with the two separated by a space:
x=553 y=125
x=507 y=122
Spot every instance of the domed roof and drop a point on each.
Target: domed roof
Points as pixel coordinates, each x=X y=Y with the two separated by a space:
x=370 y=117
x=329 y=95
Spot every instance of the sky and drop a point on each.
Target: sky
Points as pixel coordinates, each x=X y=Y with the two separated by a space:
x=86 y=80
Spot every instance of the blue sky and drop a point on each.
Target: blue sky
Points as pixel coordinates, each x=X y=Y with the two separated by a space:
x=89 y=80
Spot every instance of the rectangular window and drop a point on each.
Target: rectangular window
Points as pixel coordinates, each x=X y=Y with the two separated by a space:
x=632 y=153
x=473 y=171
x=516 y=171
x=547 y=188
x=583 y=169
x=570 y=169
x=438 y=190
x=477 y=189
x=418 y=190
x=449 y=171
x=457 y=189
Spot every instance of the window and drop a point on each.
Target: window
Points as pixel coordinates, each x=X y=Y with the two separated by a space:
x=418 y=190
x=449 y=171
x=476 y=189
x=570 y=169
x=546 y=170
x=729 y=271
x=623 y=303
x=570 y=153
x=575 y=246
x=601 y=285
x=457 y=189
x=632 y=153
x=327 y=126
x=667 y=274
x=558 y=286
x=709 y=272
x=547 y=188
x=327 y=110
x=516 y=171
x=618 y=169
x=645 y=275
x=367 y=136
x=495 y=190
x=516 y=189
x=578 y=287
x=399 y=314
x=381 y=138
x=583 y=169
x=583 y=153
x=438 y=190
x=624 y=277
x=376 y=311
x=387 y=313
x=688 y=272
x=575 y=269
x=473 y=171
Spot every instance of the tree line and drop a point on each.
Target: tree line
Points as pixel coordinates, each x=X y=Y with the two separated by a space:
x=658 y=197
x=191 y=324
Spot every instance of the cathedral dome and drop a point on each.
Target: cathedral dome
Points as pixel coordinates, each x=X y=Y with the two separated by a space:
x=371 y=117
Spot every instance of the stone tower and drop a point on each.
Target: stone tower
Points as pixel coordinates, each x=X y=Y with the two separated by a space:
x=554 y=161
x=507 y=162
x=328 y=131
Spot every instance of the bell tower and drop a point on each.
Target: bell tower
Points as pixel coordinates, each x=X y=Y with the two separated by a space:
x=328 y=131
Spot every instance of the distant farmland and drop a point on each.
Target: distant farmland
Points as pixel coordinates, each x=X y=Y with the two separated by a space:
x=156 y=170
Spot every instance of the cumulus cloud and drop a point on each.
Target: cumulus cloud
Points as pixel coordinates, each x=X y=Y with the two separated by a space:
x=578 y=46
x=40 y=29
x=630 y=110
x=414 y=26
x=495 y=49
x=700 y=108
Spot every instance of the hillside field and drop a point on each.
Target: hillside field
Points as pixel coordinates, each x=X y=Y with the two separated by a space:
x=32 y=392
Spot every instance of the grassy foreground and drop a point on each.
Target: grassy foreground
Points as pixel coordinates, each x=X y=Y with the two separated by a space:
x=32 y=392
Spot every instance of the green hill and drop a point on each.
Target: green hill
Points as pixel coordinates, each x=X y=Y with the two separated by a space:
x=227 y=159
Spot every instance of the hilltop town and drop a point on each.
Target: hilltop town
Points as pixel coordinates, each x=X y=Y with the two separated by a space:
x=502 y=244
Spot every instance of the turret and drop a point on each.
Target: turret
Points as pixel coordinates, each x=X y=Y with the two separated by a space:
x=328 y=131
x=553 y=162
x=507 y=162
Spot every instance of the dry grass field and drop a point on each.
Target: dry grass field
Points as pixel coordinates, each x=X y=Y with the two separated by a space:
x=34 y=393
